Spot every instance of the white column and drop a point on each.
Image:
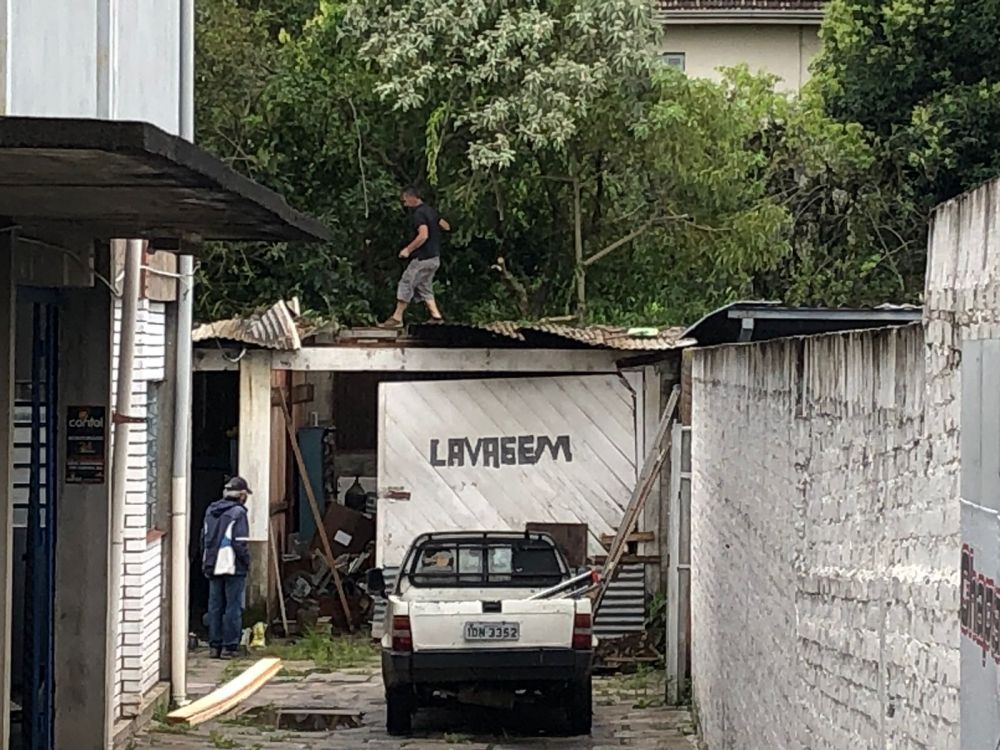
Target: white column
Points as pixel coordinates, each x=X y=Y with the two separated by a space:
x=255 y=463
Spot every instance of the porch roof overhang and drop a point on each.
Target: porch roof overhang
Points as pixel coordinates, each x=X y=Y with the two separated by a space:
x=112 y=179
x=742 y=322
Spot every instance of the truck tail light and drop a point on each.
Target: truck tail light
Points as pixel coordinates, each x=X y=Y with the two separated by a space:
x=402 y=638
x=581 y=632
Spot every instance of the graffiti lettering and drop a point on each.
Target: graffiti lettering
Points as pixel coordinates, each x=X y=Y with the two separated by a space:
x=980 y=607
x=494 y=452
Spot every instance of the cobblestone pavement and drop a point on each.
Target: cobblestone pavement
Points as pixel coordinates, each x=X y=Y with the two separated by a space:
x=628 y=712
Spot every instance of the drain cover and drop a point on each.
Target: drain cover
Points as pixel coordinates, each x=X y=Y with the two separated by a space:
x=306 y=719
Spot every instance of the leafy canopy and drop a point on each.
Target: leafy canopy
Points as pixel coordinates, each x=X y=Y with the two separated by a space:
x=581 y=177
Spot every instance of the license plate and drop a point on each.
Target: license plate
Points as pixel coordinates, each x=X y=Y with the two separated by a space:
x=492 y=631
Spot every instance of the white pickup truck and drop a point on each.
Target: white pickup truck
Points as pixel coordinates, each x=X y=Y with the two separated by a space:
x=461 y=625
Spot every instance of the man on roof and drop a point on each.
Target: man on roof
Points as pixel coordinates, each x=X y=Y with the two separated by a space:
x=424 y=256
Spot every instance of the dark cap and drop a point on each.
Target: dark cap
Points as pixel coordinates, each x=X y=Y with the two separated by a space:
x=237 y=484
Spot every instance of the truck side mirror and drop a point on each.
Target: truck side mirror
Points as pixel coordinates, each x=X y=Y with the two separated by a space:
x=376 y=582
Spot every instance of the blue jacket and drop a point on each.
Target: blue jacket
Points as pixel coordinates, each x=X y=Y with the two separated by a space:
x=226 y=528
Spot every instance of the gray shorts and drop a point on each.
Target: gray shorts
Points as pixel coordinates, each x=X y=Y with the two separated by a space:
x=417 y=281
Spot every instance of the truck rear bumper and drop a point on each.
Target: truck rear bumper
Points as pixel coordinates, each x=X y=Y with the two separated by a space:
x=484 y=667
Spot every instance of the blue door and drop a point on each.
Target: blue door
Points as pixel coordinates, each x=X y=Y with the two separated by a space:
x=39 y=559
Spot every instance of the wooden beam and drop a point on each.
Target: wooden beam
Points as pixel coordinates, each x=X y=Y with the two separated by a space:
x=635 y=536
x=420 y=359
x=656 y=454
x=317 y=517
x=628 y=559
x=213 y=360
x=228 y=696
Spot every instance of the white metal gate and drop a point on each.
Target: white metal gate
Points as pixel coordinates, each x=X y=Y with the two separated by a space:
x=500 y=453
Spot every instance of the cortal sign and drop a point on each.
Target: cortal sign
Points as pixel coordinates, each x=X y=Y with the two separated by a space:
x=494 y=452
x=86 y=441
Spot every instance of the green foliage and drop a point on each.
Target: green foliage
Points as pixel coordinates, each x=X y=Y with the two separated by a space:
x=523 y=120
x=922 y=78
x=326 y=653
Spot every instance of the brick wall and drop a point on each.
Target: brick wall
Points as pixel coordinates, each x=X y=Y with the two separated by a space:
x=825 y=539
x=139 y=641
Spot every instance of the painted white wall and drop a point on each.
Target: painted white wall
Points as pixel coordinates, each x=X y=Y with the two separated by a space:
x=107 y=59
x=142 y=578
x=590 y=483
x=962 y=306
x=825 y=545
x=782 y=49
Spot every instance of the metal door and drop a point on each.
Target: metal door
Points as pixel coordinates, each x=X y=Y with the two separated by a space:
x=39 y=601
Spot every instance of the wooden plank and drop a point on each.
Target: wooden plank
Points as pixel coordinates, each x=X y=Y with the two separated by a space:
x=277 y=579
x=636 y=536
x=570 y=538
x=158 y=286
x=320 y=528
x=433 y=359
x=628 y=559
x=647 y=480
x=228 y=696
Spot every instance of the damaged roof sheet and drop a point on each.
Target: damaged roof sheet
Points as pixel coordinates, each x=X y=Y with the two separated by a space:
x=274 y=328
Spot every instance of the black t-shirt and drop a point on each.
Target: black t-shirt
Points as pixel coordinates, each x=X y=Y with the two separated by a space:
x=425 y=215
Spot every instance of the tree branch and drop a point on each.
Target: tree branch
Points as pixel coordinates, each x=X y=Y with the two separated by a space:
x=645 y=227
x=524 y=304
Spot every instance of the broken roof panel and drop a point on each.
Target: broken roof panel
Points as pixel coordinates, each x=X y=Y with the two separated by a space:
x=274 y=328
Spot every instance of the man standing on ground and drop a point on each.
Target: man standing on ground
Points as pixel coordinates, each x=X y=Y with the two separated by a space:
x=424 y=254
x=225 y=561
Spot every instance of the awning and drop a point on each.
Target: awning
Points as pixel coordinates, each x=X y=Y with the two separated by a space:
x=761 y=321
x=110 y=179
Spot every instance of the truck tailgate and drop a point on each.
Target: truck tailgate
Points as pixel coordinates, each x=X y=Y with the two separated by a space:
x=442 y=626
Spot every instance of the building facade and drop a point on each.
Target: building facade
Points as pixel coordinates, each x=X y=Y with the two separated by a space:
x=773 y=36
x=100 y=190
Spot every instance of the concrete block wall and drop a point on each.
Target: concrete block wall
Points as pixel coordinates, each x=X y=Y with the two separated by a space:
x=825 y=539
x=962 y=306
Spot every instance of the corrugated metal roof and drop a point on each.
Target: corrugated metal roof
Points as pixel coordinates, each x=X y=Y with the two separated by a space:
x=274 y=328
x=555 y=335
x=738 y=5
x=279 y=328
x=611 y=337
x=762 y=320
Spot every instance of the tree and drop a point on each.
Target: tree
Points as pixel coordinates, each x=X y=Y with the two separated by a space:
x=556 y=135
x=583 y=179
x=924 y=80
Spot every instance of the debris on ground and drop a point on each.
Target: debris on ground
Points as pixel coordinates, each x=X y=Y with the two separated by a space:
x=627 y=653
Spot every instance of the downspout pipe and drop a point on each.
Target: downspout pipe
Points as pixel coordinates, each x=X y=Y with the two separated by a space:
x=180 y=485
x=119 y=473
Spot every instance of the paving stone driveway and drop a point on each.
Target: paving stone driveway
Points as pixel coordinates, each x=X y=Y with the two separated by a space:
x=628 y=712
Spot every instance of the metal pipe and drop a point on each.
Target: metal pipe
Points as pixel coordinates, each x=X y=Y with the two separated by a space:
x=187 y=71
x=180 y=486
x=119 y=473
x=584 y=581
x=180 y=500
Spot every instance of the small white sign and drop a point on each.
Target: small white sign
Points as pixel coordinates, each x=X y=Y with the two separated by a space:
x=342 y=538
